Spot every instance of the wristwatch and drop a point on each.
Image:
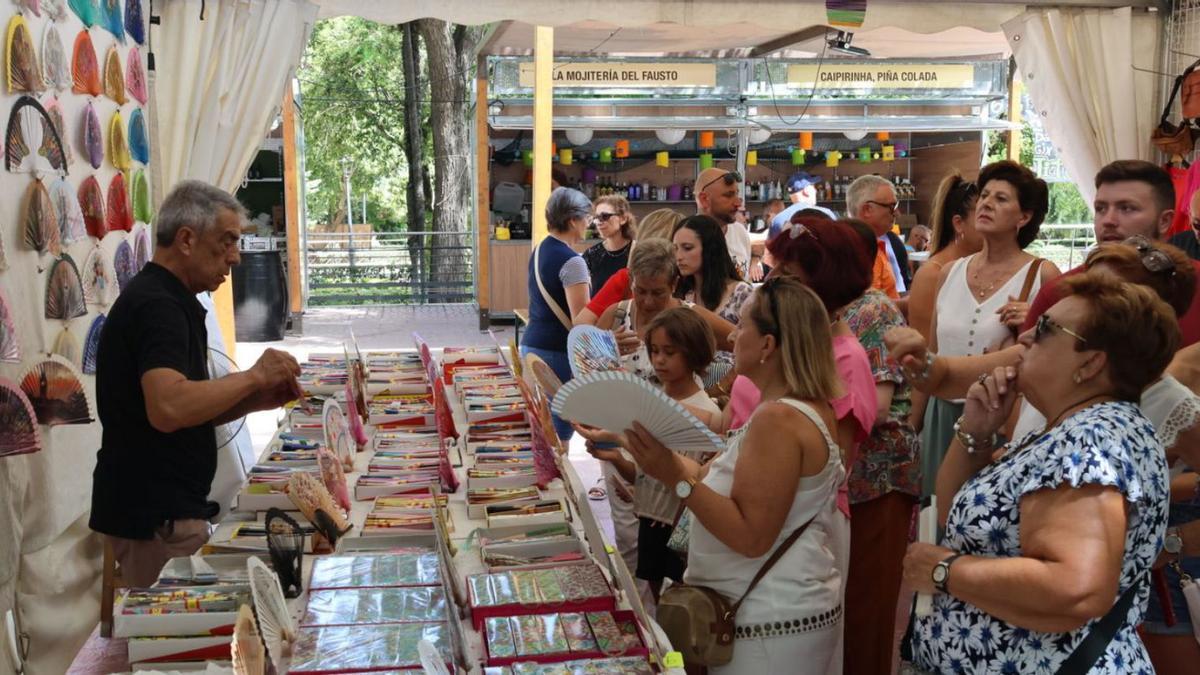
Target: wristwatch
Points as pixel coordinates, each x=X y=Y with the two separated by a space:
x=1173 y=541
x=941 y=572
x=683 y=489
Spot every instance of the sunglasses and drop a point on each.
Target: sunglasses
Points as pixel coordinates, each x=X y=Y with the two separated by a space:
x=1045 y=324
x=795 y=230
x=604 y=217
x=1153 y=259
x=891 y=208
x=730 y=178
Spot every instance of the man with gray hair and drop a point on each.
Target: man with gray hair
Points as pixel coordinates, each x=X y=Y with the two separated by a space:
x=872 y=199
x=157 y=404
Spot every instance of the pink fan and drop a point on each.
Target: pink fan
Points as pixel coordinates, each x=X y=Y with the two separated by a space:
x=91 y=203
x=334 y=477
x=356 y=426
x=135 y=76
x=119 y=215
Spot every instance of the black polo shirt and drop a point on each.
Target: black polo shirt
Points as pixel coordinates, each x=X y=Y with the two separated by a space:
x=145 y=477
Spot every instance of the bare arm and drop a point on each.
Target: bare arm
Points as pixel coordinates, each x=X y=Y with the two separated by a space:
x=174 y=402
x=921 y=299
x=585 y=317
x=721 y=328
x=577 y=298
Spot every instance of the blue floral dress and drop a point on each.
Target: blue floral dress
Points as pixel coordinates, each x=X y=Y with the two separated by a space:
x=1108 y=444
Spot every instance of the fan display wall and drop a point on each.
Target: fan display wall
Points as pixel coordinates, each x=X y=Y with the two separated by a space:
x=49 y=559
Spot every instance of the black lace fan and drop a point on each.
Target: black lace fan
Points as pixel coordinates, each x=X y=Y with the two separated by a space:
x=285 y=541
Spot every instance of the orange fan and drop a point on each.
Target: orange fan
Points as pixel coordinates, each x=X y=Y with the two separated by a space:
x=23 y=72
x=119 y=215
x=38 y=220
x=91 y=203
x=114 y=77
x=55 y=393
x=85 y=70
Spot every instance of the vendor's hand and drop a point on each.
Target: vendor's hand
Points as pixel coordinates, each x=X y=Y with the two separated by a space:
x=652 y=457
x=919 y=561
x=596 y=435
x=627 y=341
x=756 y=271
x=1013 y=313
x=274 y=368
x=907 y=348
x=989 y=402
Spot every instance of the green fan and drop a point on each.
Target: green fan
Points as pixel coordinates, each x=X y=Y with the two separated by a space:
x=141 y=197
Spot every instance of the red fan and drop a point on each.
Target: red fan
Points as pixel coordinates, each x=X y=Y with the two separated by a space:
x=85 y=69
x=56 y=394
x=19 y=434
x=91 y=202
x=39 y=221
x=119 y=215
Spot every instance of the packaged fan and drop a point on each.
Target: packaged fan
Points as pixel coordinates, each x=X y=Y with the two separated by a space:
x=64 y=291
x=56 y=394
x=23 y=72
x=19 y=434
x=358 y=606
x=351 y=649
x=85 y=69
x=399 y=567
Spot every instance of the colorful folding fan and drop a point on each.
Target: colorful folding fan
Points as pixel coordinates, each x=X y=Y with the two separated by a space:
x=22 y=71
x=112 y=19
x=134 y=25
x=55 y=393
x=91 y=204
x=38 y=221
x=141 y=197
x=114 y=76
x=64 y=291
x=135 y=76
x=55 y=114
x=19 y=434
x=93 y=139
x=85 y=69
x=66 y=345
x=97 y=280
x=139 y=145
x=124 y=264
x=141 y=247
x=56 y=70
x=32 y=142
x=118 y=147
x=88 y=11
x=66 y=209
x=10 y=349
x=119 y=215
x=91 y=345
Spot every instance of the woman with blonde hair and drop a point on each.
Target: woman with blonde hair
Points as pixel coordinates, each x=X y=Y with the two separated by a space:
x=615 y=224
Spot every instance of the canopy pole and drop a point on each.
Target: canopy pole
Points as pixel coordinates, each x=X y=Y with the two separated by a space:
x=1014 y=111
x=743 y=145
x=291 y=201
x=543 y=125
x=483 y=217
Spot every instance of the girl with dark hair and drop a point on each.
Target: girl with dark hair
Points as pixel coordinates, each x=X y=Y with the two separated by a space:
x=953 y=237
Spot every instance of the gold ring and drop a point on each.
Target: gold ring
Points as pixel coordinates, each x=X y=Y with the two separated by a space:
x=982 y=378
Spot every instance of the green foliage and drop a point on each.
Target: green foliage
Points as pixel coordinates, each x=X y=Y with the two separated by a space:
x=1066 y=204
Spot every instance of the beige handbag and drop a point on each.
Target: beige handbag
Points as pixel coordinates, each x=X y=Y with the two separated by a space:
x=550 y=302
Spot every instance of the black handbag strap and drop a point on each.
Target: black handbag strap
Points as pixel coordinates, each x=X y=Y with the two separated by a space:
x=1088 y=652
x=770 y=562
x=1171 y=101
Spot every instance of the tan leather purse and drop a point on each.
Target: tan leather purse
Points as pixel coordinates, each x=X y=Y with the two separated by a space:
x=1179 y=139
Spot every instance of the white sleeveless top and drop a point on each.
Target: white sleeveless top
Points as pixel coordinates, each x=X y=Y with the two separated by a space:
x=965 y=327
x=805 y=587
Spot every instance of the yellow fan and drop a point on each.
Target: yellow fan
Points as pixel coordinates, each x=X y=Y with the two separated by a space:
x=22 y=71
x=118 y=147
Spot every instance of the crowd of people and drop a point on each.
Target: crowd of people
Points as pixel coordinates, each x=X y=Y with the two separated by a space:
x=1051 y=418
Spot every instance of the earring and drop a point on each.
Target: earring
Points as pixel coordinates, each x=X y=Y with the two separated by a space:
x=1077 y=379
x=762 y=360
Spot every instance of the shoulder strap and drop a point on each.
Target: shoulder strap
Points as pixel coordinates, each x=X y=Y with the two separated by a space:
x=770 y=562
x=1095 y=643
x=1030 y=276
x=1166 y=113
x=812 y=415
x=550 y=302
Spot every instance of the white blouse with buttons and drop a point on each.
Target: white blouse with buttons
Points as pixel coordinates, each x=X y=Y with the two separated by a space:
x=965 y=326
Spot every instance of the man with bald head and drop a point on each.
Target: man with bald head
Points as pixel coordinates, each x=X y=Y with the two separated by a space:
x=1189 y=241
x=718 y=194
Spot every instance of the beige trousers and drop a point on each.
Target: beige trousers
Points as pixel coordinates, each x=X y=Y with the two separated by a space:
x=141 y=560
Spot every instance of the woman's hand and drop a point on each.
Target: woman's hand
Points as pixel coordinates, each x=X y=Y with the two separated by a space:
x=756 y=271
x=989 y=402
x=597 y=435
x=655 y=459
x=919 y=561
x=907 y=348
x=1013 y=313
x=627 y=341
x=601 y=453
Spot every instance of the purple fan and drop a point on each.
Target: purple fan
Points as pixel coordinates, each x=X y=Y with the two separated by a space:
x=124 y=264
x=133 y=21
x=91 y=345
x=93 y=140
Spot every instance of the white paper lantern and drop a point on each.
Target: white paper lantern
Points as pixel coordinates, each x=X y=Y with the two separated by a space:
x=759 y=135
x=855 y=134
x=670 y=136
x=579 y=136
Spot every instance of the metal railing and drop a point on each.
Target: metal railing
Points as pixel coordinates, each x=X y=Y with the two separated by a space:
x=1065 y=245
x=388 y=268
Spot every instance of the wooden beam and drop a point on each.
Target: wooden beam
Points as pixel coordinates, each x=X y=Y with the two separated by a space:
x=223 y=304
x=491 y=37
x=483 y=202
x=543 y=123
x=291 y=202
x=1015 y=90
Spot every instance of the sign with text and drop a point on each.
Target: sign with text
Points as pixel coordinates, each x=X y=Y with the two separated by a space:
x=882 y=76
x=650 y=74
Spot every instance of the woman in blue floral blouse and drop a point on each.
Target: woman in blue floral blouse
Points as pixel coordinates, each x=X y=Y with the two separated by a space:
x=1050 y=534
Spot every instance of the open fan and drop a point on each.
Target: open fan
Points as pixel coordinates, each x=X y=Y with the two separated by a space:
x=112 y=19
x=333 y=477
x=93 y=139
x=55 y=114
x=124 y=265
x=88 y=11
x=56 y=70
x=220 y=365
x=314 y=501
x=141 y=197
x=114 y=76
x=55 y=392
x=64 y=290
x=285 y=541
x=23 y=73
x=91 y=345
x=134 y=25
x=85 y=69
x=10 y=349
x=66 y=345
x=592 y=349
x=32 y=143
x=66 y=208
x=274 y=620
x=38 y=221
x=118 y=147
x=141 y=247
x=139 y=146
x=18 y=423
x=247 y=651
x=135 y=75
x=91 y=205
x=337 y=430
x=97 y=280
x=118 y=213
x=543 y=373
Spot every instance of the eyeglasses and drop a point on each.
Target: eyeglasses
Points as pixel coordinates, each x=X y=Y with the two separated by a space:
x=730 y=178
x=1045 y=324
x=892 y=207
x=1153 y=259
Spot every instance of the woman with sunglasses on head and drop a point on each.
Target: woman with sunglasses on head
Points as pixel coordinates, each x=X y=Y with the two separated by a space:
x=616 y=226
x=1049 y=538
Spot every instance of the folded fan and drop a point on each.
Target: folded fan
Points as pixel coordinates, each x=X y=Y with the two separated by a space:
x=71 y=227
x=23 y=72
x=38 y=220
x=88 y=11
x=97 y=280
x=85 y=67
x=274 y=620
x=141 y=247
x=91 y=205
x=64 y=291
x=123 y=264
x=118 y=145
x=246 y=650
x=112 y=19
x=135 y=76
x=139 y=145
x=93 y=139
x=56 y=71
x=591 y=349
x=142 y=212
x=285 y=542
x=133 y=22
x=91 y=345
x=54 y=115
x=114 y=76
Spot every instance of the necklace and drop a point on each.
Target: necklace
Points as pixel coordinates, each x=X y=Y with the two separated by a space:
x=984 y=292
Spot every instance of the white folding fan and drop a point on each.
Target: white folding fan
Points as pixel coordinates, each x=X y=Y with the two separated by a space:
x=246 y=649
x=614 y=400
x=274 y=621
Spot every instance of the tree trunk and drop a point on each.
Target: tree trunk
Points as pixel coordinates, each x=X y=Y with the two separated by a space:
x=413 y=139
x=449 y=49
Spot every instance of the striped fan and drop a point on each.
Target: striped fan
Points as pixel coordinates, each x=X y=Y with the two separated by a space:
x=55 y=392
x=112 y=19
x=66 y=209
x=91 y=205
x=23 y=73
x=124 y=265
x=141 y=198
x=88 y=11
x=66 y=345
x=134 y=25
x=56 y=70
x=333 y=477
x=139 y=145
x=135 y=76
x=38 y=221
x=337 y=430
x=85 y=69
x=118 y=147
x=614 y=400
x=141 y=247
x=91 y=345
x=247 y=651
x=55 y=114
x=97 y=280
x=19 y=434
x=64 y=291
x=118 y=215
x=314 y=501
x=93 y=139
x=546 y=378
x=276 y=622
x=591 y=350
x=10 y=348
x=114 y=76
x=32 y=142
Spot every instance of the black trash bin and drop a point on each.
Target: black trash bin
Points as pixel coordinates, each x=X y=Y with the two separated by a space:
x=260 y=300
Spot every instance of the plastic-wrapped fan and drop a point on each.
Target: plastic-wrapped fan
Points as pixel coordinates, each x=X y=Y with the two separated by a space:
x=91 y=204
x=135 y=76
x=97 y=280
x=64 y=291
x=55 y=9
x=88 y=11
x=55 y=392
x=124 y=265
x=285 y=541
x=337 y=430
x=141 y=197
x=246 y=650
x=112 y=18
x=23 y=73
x=139 y=145
x=91 y=345
x=32 y=143
x=333 y=477
x=85 y=69
x=141 y=247
x=32 y=5
x=55 y=114
x=274 y=620
x=134 y=25
x=38 y=221
x=114 y=76
x=118 y=147
x=19 y=434
x=66 y=345
x=119 y=215
x=66 y=209
x=314 y=501
x=10 y=349
x=93 y=139
x=56 y=70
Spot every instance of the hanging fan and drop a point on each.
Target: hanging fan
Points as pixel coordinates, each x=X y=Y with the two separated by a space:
x=93 y=139
x=114 y=76
x=55 y=114
x=66 y=345
x=139 y=145
x=91 y=205
x=134 y=25
x=118 y=214
x=30 y=147
x=314 y=501
x=91 y=345
x=123 y=264
x=336 y=427
x=118 y=147
x=285 y=542
x=141 y=198
x=10 y=349
x=135 y=76
x=247 y=651
x=64 y=291
x=88 y=11
x=97 y=280
x=274 y=620
x=56 y=394
x=22 y=72
x=333 y=477
x=56 y=70
x=220 y=365
x=111 y=18
x=3 y=260
x=66 y=209
x=38 y=220
x=544 y=374
x=31 y=5
x=55 y=9
x=85 y=69
x=592 y=349
x=357 y=433
x=141 y=247
x=19 y=434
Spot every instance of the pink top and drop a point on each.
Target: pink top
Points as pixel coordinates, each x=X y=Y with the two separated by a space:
x=858 y=401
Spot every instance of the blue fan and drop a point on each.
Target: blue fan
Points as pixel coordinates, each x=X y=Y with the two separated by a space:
x=133 y=21
x=88 y=11
x=139 y=146
x=91 y=345
x=124 y=264
x=111 y=18
x=591 y=349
